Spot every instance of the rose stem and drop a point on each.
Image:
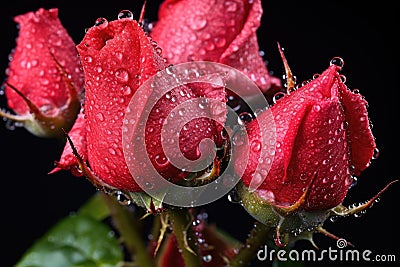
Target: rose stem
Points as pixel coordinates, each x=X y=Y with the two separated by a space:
x=257 y=237
x=124 y=222
x=181 y=220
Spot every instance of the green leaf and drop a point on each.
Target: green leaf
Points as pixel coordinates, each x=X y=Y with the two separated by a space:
x=76 y=241
x=95 y=207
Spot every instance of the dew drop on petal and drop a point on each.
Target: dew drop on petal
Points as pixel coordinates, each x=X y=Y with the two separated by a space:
x=161 y=160
x=100 y=116
x=122 y=75
x=125 y=14
x=234 y=102
x=256 y=145
x=101 y=22
x=111 y=151
x=220 y=41
x=88 y=59
x=244 y=118
x=338 y=61
x=278 y=96
x=376 y=153
x=197 y=22
x=126 y=89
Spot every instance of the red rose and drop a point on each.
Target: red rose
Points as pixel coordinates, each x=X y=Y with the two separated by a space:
x=117 y=58
x=323 y=139
x=44 y=75
x=217 y=31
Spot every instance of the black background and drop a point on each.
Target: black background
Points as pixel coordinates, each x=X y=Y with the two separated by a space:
x=311 y=34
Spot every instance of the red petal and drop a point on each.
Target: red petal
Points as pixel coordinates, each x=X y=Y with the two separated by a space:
x=170 y=254
x=214 y=249
x=117 y=57
x=215 y=31
x=360 y=134
x=33 y=70
x=191 y=134
x=321 y=153
x=78 y=136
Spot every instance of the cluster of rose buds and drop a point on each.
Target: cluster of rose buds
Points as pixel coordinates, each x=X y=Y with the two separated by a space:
x=301 y=151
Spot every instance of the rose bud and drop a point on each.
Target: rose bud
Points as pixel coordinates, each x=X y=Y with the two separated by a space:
x=117 y=58
x=44 y=75
x=323 y=141
x=217 y=31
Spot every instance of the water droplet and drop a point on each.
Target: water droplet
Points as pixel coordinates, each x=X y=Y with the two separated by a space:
x=344 y=125
x=111 y=151
x=244 y=118
x=376 y=153
x=196 y=222
x=100 y=116
x=234 y=197
x=99 y=69
x=126 y=89
x=149 y=185
x=88 y=59
x=161 y=160
x=238 y=139
x=338 y=61
x=343 y=78
x=122 y=75
x=234 y=102
x=256 y=145
x=317 y=107
x=333 y=218
x=101 y=22
x=158 y=50
x=278 y=96
x=354 y=181
x=231 y=6
x=220 y=41
x=125 y=14
x=207 y=258
x=203 y=103
x=122 y=198
x=197 y=22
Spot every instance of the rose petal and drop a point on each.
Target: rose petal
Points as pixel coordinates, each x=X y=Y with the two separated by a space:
x=217 y=31
x=117 y=58
x=33 y=70
x=78 y=136
x=360 y=134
